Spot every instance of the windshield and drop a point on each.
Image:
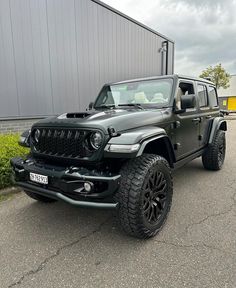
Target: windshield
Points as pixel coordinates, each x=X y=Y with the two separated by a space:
x=144 y=93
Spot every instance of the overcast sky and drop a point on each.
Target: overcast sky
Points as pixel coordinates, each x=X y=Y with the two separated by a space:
x=204 y=31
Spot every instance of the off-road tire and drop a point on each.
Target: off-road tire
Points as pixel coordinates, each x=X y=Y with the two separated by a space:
x=40 y=198
x=132 y=194
x=213 y=157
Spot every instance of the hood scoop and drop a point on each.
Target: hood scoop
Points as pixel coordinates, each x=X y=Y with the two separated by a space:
x=77 y=115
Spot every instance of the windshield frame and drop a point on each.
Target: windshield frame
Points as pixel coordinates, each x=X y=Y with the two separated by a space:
x=169 y=104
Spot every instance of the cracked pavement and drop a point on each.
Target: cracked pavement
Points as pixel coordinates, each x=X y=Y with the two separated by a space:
x=58 y=245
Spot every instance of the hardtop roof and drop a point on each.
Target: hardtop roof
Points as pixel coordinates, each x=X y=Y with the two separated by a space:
x=176 y=76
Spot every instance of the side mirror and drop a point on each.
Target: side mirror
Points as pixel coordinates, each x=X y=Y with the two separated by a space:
x=91 y=105
x=188 y=101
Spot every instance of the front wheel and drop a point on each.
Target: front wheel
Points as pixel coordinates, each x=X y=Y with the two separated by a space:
x=145 y=195
x=214 y=156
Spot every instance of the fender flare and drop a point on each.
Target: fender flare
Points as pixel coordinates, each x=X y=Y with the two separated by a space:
x=169 y=146
x=219 y=123
x=142 y=136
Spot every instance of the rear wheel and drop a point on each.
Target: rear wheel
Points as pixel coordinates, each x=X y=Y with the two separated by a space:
x=40 y=198
x=145 y=195
x=214 y=156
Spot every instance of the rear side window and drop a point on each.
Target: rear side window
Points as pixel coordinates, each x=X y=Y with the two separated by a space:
x=202 y=95
x=213 y=96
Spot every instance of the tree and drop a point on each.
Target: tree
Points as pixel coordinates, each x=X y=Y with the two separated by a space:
x=218 y=75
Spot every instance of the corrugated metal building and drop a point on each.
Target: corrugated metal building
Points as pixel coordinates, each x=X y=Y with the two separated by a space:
x=227 y=97
x=56 y=54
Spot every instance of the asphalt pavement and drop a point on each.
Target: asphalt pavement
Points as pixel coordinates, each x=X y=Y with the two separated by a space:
x=58 y=245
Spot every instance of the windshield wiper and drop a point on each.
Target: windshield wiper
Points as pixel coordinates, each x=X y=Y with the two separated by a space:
x=112 y=106
x=108 y=106
x=136 y=105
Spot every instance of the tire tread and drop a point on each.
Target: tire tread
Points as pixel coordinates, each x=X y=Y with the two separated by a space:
x=132 y=176
x=210 y=156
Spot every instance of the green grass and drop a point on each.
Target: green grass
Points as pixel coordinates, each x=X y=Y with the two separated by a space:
x=5 y=197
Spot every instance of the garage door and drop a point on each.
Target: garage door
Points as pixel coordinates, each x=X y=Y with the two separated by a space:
x=232 y=103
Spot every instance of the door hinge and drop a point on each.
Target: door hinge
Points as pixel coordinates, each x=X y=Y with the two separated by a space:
x=175 y=125
x=200 y=137
x=176 y=145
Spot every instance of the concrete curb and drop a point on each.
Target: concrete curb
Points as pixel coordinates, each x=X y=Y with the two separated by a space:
x=10 y=190
x=231 y=116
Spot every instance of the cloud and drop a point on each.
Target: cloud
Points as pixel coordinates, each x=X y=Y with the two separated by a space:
x=203 y=30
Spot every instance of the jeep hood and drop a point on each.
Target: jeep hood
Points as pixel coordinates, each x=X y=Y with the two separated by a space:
x=120 y=119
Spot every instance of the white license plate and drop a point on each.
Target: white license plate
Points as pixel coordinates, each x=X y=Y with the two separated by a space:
x=39 y=178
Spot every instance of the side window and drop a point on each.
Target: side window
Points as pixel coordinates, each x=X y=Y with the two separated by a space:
x=213 y=96
x=185 y=88
x=202 y=95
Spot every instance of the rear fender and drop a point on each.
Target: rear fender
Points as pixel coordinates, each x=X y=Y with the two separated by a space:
x=219 y=123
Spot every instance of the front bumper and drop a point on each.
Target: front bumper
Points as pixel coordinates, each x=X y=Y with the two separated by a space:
x=67 y=183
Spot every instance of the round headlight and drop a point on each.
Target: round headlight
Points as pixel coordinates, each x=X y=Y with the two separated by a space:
x=96 y=140
x=37 y=135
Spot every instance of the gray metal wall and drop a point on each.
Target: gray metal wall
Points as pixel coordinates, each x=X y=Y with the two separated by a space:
x=56 y=54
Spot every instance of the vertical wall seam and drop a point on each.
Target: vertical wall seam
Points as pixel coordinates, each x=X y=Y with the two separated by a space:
x=45 y=91
x=65 y=74
x=173 y=58
x=99 y=43
x=24 y=49
x=76 y=53
x=49 y=54
x=14 y=58
x=90 y=72
x=32 y=42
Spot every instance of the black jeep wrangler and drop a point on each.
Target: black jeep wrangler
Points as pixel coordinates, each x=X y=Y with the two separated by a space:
x=120 y=152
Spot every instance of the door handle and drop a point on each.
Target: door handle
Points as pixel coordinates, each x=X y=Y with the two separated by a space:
x=196 y=120
x=208 y=117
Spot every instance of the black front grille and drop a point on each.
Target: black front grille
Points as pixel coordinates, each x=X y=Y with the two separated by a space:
x=59 y=142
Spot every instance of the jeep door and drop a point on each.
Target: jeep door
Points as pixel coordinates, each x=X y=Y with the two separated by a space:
x=208 y=109
x=186 y=123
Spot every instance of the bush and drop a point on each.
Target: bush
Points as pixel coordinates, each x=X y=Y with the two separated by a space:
x=9 y=148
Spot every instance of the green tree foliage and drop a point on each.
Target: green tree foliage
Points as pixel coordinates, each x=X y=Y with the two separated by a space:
x=218 y=75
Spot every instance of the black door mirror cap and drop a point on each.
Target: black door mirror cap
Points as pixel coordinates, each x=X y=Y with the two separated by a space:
x=188 y=101
x=91 y=105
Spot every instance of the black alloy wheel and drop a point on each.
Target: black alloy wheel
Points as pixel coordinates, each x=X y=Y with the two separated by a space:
x=145 y=195
x=155 y=196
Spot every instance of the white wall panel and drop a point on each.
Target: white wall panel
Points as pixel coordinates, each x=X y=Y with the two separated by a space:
x=55 y=55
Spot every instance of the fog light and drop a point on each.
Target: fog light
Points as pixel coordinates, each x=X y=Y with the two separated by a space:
x=87 y=187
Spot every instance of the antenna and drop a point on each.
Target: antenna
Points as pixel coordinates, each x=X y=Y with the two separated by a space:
x=208 y=78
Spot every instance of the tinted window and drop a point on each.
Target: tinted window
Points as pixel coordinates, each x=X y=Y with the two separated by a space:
x=213 y=96
x=202 y=95
x=187 y=88
x=147 y=93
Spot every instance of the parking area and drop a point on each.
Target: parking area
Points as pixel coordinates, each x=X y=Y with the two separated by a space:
x=58 y=245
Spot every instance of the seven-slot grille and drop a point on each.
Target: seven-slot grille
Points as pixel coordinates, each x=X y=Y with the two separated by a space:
x=60 y=142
